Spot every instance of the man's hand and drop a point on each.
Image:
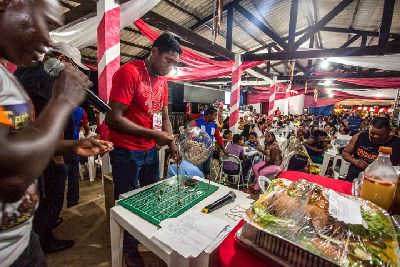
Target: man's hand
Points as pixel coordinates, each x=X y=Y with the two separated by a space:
x=173 y=152
x=163 y=138
x=70 y=85
x=91 y=147
x=361 y=164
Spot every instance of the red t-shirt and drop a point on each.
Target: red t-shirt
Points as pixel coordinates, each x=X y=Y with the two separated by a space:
x=144 y=96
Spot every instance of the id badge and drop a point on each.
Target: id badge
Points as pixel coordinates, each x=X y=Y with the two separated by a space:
x=157 y=121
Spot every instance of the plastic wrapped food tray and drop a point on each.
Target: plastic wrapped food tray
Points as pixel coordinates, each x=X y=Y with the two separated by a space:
x=293 y=225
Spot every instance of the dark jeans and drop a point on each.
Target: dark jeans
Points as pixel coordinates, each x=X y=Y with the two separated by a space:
x=73 y=180
x=131 y=170
x=51 y=201
x=32 y=256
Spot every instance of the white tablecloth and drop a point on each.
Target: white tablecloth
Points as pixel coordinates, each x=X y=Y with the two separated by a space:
x=122 y=219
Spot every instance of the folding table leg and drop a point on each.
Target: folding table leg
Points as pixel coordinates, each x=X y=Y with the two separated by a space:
x=117 y=239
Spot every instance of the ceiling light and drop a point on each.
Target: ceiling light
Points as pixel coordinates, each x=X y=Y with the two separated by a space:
x=324 y=64
x=331 y=95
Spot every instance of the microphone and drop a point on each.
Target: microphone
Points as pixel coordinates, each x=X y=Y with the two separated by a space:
x=54 y=67
x=230 y=197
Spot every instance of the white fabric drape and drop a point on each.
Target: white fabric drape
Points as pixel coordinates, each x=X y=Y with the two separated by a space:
x=84 y=33
x=388 y=62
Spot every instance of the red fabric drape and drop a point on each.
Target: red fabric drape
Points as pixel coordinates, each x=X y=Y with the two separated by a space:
x=280 y=93
x=254 y=98
x=375 y=82
x=198 y=67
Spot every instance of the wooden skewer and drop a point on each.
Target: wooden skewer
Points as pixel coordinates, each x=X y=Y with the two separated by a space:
x=177 y=174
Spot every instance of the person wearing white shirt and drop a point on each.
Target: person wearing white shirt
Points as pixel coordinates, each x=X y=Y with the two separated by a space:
x=343 y=137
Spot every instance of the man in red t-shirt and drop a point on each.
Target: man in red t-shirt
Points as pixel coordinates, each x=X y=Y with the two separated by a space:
x=139 y=120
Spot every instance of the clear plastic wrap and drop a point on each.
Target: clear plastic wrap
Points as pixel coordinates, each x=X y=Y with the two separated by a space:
x=299 y=216
x=195 y=145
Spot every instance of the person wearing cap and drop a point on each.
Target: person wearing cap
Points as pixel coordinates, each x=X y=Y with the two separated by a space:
x=39 y=86
x=363 y=148
x=65 y=52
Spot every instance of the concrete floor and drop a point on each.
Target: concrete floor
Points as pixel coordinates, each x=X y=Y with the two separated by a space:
x=87 y=224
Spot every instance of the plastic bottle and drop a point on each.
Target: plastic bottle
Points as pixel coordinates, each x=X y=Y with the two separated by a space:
x=380 y=180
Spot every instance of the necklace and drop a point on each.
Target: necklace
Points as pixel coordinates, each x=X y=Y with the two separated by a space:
x=152 y=96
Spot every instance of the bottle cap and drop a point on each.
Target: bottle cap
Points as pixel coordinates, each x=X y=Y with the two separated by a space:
x=385 y=149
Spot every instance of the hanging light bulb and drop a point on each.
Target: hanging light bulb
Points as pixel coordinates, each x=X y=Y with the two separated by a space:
x=324 y=64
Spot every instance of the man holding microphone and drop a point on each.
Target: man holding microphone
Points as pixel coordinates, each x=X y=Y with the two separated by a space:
x=28 y=143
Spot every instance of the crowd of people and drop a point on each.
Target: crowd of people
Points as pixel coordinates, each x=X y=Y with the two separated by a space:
x=304 y=139
x=38 y=151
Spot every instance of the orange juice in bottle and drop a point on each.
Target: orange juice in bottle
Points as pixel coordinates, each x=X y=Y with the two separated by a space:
x=396 y=200
x=380 y=180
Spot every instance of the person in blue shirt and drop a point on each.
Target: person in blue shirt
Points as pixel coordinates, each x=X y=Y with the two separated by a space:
x=252 y=142
x=185 y=168
x=71 y=159
x=354 y=123
x=207 y=124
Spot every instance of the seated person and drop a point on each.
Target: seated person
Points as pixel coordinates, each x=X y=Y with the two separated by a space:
x=236 y=149
x=343 y=137
x=316 y=145
x=330 y=129
x=246 y=128
x=273 y=159
x=185 y=168
x=258 y=129
x=252 y=142
x=299 y=163
x=227 y=137
x=395 y=130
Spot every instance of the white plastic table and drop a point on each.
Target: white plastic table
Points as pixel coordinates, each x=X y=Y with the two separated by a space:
x=249 y=152
x=122 y=219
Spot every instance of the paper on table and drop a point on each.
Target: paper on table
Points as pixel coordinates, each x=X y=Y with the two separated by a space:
x=190 y=233
x=218 y=239
x=344 y=209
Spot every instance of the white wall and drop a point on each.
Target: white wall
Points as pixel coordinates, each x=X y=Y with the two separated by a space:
x=256 y=107
x=296 y=104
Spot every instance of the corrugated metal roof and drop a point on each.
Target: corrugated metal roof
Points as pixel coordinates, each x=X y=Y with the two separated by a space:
x=361 y=15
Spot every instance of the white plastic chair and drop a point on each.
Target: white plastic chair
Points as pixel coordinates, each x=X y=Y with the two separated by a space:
x=344 y=166
x=263 y=181
x=222 y=175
